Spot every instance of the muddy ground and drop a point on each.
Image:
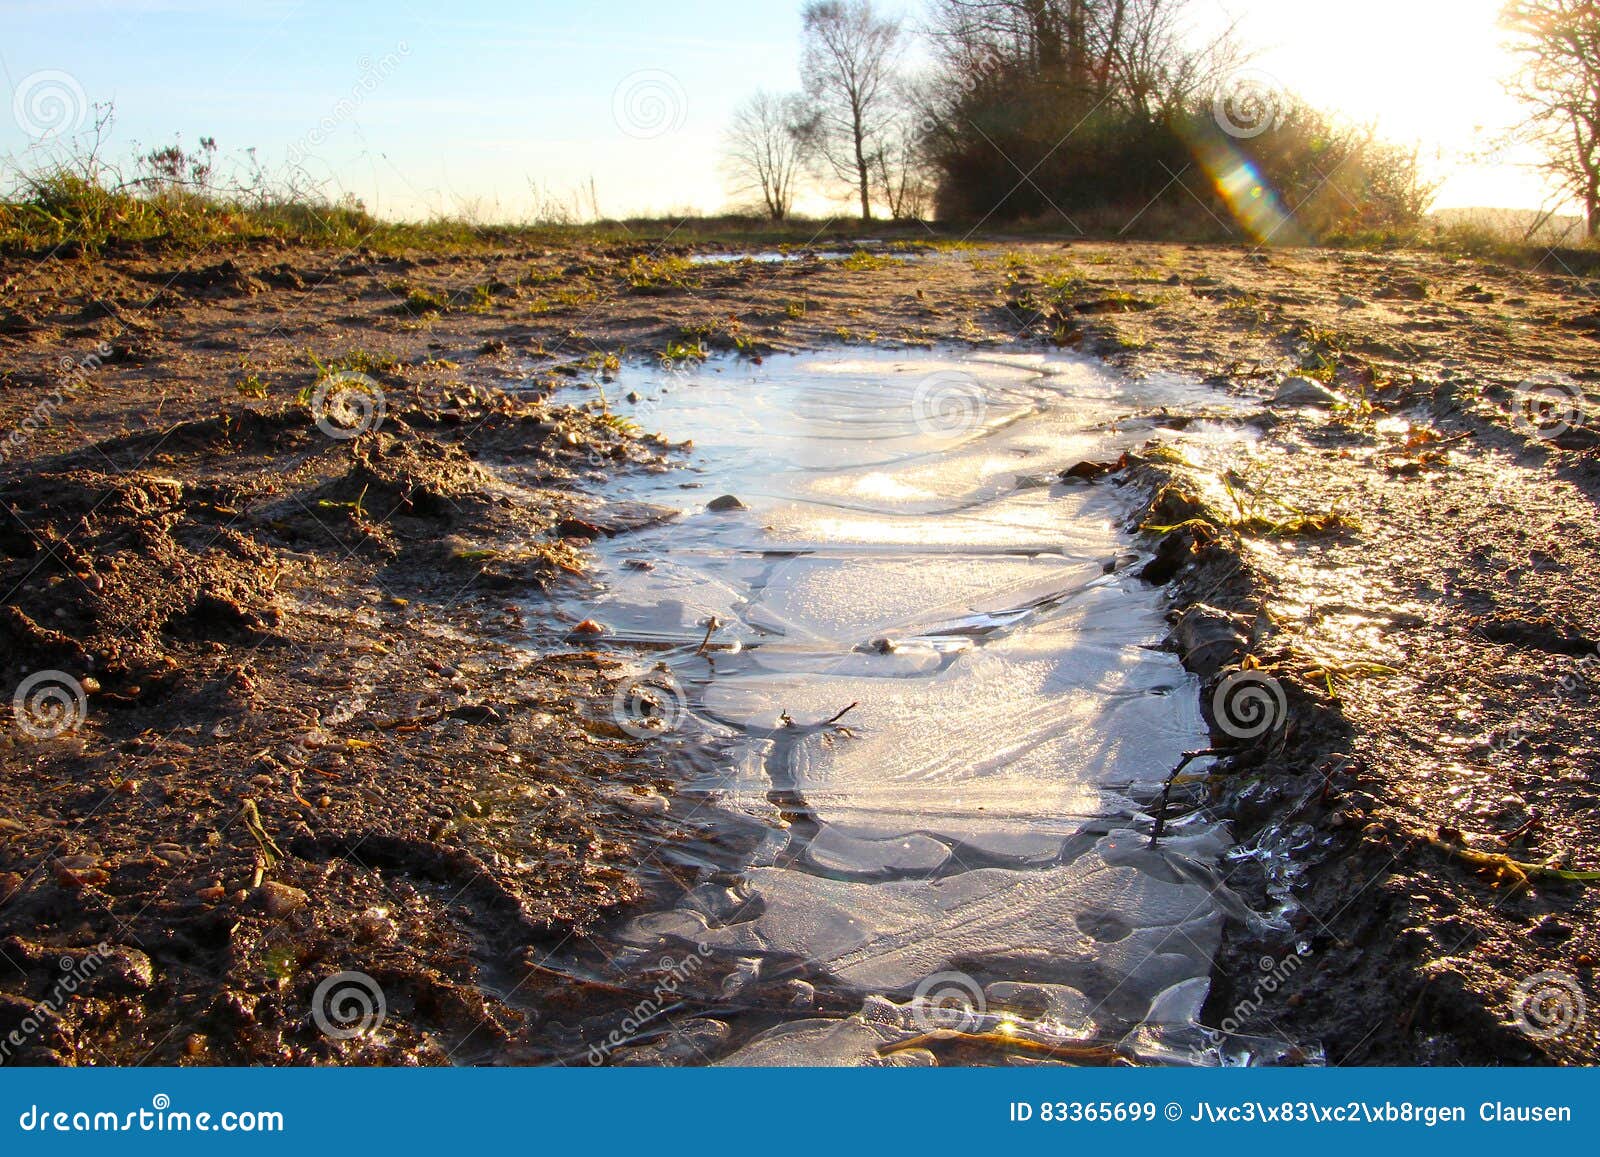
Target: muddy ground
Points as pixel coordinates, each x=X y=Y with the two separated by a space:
x=290 y=705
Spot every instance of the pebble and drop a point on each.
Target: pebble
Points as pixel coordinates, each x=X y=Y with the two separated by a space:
x=124 y=970
x=374 y=925
x=1301 y=391
x=279 y=900
x=82 y=877
x=725 y=503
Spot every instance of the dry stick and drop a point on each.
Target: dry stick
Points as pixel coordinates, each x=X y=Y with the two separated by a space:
x=787 y=720
x=1509 y=838
x=1166 y=790
x=1520 y=872
x=843 y=713
x=712 y=627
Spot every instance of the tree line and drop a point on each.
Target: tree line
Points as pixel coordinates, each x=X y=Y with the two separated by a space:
x=1102 y=111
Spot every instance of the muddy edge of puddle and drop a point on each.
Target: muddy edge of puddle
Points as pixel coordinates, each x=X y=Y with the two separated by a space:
x=303 y=680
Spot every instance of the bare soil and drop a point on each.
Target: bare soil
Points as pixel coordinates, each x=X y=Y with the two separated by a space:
x=327 y=727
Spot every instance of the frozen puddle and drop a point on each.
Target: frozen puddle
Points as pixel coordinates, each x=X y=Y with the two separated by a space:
x=914 y=687
x=766 y=257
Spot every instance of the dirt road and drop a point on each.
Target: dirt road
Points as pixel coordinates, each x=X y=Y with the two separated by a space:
x=271 y=518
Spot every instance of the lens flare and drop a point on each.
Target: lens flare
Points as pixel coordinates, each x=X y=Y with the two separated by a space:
x=1253 y=202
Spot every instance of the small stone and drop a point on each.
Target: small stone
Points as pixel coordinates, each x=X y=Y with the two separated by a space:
x=280 y=900
x=123 y=970
x=1085 y=470
x=374 y=925
x=82 y=877
x=1300 y=391
x=1209 y=639
x=590 y=627
x=578 y=528
x=725 y=503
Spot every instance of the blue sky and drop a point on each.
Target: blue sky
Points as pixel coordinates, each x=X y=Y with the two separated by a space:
x=426 y=106
x=478 y=99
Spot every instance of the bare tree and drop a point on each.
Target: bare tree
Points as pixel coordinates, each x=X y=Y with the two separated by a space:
x=899 y=169
x=848 y=68
x=1130 y=54
x=1559 y=44
x=764 y=150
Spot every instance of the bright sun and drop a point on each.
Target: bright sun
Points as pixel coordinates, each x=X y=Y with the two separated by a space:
x=1428 y=71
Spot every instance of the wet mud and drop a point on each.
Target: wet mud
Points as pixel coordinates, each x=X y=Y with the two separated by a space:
x=347 y=703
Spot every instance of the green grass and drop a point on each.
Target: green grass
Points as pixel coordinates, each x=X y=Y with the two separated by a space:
x=1319 y=357
x=603 y=363
x=657 y=274
x=64 y=206
x=77 y=202
x=1245 y=508
x=357 y=361
x=562 y=299
x=688 y=350
x=860 y=261
x=420 y=302
x=74 y=201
